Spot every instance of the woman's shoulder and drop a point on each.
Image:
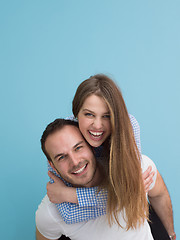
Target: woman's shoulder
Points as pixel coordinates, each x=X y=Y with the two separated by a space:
x=133 y=120
x=71 y=117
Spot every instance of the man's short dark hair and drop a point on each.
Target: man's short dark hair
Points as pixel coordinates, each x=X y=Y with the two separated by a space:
x=54 y=126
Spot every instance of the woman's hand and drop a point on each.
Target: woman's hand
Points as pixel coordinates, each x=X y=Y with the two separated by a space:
x=148 y=178
x=58 y=192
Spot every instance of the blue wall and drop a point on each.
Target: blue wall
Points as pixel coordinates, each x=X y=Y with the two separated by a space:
x=46 y=49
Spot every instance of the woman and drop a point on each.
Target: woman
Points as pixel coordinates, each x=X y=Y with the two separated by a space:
x=106 y=125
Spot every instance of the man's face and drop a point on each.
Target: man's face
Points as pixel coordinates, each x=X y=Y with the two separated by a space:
x=71 y=156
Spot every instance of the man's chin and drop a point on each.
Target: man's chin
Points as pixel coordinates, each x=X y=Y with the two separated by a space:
x=82 y=183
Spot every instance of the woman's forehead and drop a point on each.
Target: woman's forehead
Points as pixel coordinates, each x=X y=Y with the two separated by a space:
x=95 y=102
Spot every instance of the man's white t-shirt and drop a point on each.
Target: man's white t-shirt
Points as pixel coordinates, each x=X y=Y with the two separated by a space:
x=51 y=225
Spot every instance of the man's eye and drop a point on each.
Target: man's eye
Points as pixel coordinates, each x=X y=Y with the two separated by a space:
x=61 y=158
x=78 y=148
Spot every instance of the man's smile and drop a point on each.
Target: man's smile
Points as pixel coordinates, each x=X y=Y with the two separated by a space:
x=81 y=170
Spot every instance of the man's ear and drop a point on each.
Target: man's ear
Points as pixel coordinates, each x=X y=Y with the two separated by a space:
x=52 y=165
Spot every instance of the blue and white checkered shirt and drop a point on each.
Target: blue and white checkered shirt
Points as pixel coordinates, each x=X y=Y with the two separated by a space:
x=91 y=202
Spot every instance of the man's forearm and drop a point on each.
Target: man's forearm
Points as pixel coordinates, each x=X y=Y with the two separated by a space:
x=163 y=207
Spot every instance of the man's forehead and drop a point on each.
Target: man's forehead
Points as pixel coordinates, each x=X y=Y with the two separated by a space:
x=69 y=134
x=63 y=140
x=72 y=130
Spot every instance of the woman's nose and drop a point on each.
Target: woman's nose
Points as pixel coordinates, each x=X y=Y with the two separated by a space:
x=97 y=123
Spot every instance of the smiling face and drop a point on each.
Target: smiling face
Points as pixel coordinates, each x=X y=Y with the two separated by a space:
x=71 y=156
x=94 y=120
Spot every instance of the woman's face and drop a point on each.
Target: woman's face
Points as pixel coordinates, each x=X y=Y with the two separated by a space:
x=94 y=120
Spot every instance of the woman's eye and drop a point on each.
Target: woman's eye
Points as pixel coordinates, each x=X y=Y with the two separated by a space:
x=106 y=116
x=88 y=114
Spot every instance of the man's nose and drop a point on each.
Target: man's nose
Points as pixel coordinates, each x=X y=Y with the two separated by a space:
x=74 y=159
x=97 y=123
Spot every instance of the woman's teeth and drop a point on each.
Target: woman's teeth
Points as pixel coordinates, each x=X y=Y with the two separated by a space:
x=80 y=170
x=96 y=134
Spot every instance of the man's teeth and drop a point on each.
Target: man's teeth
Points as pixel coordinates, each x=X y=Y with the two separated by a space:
x=80 y=170
x=96 y=134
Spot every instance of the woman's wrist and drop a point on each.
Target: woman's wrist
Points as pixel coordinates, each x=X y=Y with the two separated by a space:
x=71 y=195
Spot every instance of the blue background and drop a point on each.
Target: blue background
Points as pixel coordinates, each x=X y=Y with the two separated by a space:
x=46 y=49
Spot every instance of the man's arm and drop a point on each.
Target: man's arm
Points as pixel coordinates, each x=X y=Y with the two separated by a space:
x=161 y=202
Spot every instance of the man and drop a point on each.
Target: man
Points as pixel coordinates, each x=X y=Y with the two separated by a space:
x=71 y=157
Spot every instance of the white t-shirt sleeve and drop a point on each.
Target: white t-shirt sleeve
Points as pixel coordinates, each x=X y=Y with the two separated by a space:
x=48 y=220
x=146 y=162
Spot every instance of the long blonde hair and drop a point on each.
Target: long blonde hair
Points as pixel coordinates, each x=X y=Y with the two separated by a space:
x=125 y=185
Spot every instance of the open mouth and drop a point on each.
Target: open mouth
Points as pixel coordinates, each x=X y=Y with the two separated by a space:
x=79 y=171
x=96 y=134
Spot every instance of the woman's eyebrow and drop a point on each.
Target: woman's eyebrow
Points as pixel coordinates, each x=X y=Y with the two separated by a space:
x=85 y=109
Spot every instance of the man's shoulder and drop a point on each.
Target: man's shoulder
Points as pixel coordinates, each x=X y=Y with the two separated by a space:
x=48 y=220
x=48 y=210
x=146 y=162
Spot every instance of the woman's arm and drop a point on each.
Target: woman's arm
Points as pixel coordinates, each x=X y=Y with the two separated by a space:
x=58 y=192
x=86 y=203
